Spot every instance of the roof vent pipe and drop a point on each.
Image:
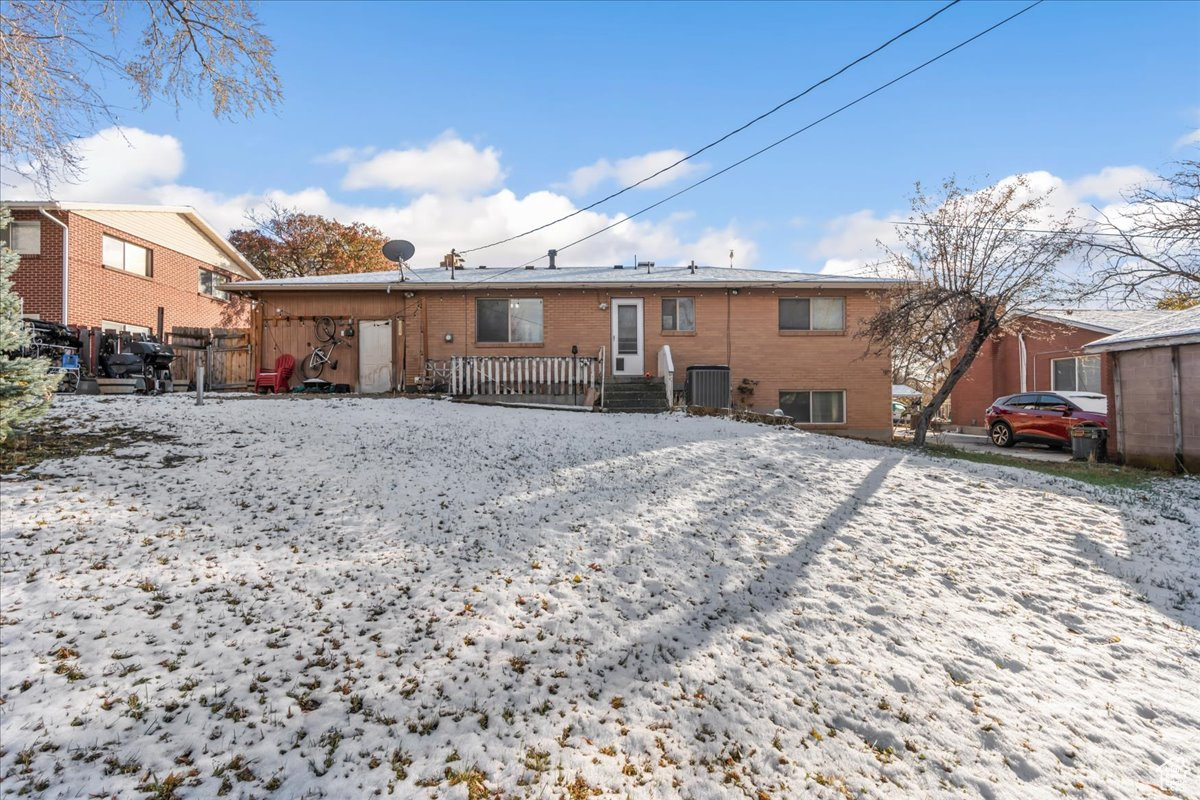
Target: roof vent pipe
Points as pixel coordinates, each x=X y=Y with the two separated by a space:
x=553 y=254
x=692 y=266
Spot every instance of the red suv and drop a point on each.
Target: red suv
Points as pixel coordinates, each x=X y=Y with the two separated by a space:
x=1044 y=417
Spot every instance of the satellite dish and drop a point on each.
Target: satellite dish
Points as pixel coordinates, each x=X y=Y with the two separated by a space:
x=398 y=250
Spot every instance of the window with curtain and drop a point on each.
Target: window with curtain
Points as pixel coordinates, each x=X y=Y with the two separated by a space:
x=812 y=313
x=678 y=314
x=1080 y=374
x=209 y=281
x=24 y=237
x=120 y=254
x=508 y=321
x=820 y=407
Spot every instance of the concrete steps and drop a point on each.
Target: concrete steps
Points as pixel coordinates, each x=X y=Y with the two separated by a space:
x=636 y=395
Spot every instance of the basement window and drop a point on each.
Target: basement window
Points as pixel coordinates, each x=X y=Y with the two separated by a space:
x=120 y=254
x=822 y=407
x=209 y=281
x=24 y=238
x=516 y=320
x=812 y=313
x=1080 y=374
x=679 y=314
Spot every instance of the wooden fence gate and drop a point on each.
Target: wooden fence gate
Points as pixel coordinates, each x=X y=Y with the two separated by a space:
x=226 y=353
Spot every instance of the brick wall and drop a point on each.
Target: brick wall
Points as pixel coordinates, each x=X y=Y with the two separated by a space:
x=997 y=369
x=96 y=293
x=741 y=331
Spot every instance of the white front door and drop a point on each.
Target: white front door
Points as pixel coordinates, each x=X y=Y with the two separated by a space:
x=375 y=356
x=628 y=336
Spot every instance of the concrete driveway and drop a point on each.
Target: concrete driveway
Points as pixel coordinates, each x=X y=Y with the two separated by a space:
x=967 y=441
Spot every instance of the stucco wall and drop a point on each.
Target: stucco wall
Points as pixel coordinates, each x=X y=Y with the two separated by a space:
x=1145 y=418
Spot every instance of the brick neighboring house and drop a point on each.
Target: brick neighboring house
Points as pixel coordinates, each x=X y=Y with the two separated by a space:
x=1153 y=389
x=126 y=266
x=1043 y=351
x=793 y=333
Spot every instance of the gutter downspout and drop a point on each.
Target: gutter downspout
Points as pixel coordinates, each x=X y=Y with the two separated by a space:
x=1024 y=363
x=66 y=258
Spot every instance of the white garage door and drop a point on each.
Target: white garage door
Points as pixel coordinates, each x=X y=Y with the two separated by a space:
x=375 y=356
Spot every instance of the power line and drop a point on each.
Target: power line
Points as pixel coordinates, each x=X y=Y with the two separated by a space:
x=792 y=135
x=716 y=142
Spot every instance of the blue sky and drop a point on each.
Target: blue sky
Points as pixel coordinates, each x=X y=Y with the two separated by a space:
x=453 y=123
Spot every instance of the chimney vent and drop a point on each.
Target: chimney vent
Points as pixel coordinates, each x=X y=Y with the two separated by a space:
x=553 y=254
x=618 y=266
x=529 y=266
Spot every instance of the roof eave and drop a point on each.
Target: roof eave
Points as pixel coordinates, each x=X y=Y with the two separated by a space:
x=1100 y=346
x=480 y=286
x=1070 y=323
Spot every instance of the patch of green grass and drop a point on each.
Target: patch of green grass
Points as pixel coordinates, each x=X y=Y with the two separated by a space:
x=61 y=438
x=1095 y=474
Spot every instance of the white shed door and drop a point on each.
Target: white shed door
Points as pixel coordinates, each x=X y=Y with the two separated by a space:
x=375 y=356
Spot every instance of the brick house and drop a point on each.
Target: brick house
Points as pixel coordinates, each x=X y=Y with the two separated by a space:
x=124 y=267
x=790 y=335
x=1044 y=351
x=1153 y=388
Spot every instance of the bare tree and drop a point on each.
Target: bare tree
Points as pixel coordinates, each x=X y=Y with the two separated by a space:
x=969 y=260
x=56 y=55
x=1153 y=250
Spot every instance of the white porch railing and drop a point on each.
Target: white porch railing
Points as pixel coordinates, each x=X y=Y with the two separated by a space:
x=666 y=371
x=529 y=375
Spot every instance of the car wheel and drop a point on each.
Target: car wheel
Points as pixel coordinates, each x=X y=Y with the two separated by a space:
x=1002 y=435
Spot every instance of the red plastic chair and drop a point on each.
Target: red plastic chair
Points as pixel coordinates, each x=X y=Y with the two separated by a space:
x=276 y=380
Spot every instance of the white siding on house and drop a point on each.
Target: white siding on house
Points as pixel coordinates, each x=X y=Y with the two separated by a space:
x=167 y=229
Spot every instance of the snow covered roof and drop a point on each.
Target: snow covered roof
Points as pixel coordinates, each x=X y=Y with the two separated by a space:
x=180 y=228
x=1099 y=319
x=1179 y=327
x=439 y=278
x=900 y=390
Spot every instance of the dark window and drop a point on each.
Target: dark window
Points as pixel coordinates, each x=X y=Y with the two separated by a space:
x=514 y=320
x=811 y=313
x=678 y=314
x=828 y=407
x=209 y=281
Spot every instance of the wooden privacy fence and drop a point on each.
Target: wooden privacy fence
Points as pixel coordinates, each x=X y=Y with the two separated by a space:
x=226 y=353
x=536 y=375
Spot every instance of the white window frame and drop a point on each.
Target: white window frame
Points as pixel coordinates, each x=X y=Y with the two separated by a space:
x=211 y=290
x=675 y=317
x=513 y=302
x=123 y=327
x=810 y=393
x=812 y=316
x=125 y=247
x=28 y=243
x=1076 y=359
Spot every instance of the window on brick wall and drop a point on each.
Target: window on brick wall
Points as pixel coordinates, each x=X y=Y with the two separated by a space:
x=812 y=313
x=518 y=319
x=209 y=281
x=678 y=314
x=821 y=407
x=24 y=237
x=120 y=254
x=1075 y=374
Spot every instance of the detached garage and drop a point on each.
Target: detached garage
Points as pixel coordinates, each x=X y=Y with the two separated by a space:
x=1154 y=392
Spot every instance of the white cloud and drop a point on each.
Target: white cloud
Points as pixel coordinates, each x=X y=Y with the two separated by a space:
x=849 y=243
x=125 y=162
x=344 y=155
x=446 y=165
x=1188 y=139
x=444 y=217
x=626 y=171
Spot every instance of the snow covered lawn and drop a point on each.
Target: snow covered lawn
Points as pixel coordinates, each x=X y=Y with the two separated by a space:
x=349 y=597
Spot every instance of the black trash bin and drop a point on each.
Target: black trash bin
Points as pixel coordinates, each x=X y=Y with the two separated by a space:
x=1087 y=442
